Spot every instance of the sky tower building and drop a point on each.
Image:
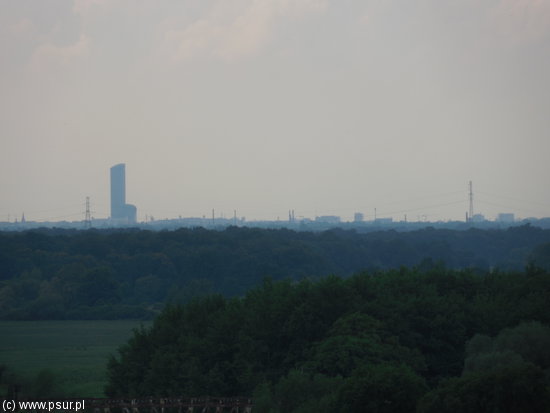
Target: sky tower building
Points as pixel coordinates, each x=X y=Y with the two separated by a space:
x=121 y=212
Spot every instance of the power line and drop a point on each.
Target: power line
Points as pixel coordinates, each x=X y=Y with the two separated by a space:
x=403 y=211
x=471 y=217
x=87 y=217
x=521 y=201
x=507 y=207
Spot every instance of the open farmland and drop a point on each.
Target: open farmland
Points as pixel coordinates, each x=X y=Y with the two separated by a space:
x=76 y=352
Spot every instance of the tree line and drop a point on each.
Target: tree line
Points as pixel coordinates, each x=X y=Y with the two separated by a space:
x=403 y=340
x=113 y=274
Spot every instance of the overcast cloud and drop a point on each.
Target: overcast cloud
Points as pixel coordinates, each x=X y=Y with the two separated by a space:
x=321 y=106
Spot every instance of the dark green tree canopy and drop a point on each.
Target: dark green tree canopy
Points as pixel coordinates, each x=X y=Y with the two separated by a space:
x=384 y=341
x=49 y=274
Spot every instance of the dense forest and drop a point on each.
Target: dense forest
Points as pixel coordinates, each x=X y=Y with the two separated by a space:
x=336 y=321
x=113 y=274
x=402 y=340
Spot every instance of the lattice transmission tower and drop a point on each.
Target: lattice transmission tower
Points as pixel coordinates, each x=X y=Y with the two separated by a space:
x=471 y=212
x=88 y=215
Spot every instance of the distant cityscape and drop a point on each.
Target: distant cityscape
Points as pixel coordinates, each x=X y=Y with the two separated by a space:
x=124 y=215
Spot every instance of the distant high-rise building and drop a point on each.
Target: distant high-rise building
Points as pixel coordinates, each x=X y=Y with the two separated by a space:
x=478 y=218
x=506 y=217
x=328 y=219
x=358 y=217
x=121 y=212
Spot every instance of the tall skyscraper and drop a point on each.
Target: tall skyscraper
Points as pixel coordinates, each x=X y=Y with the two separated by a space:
x=121 y=212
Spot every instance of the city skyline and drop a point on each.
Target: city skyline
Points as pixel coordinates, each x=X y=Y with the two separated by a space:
x=319 y=106
x=123 y=214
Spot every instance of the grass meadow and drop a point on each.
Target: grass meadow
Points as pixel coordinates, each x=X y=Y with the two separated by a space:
x=76 y=352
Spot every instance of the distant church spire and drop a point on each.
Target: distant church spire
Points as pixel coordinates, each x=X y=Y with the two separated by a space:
x=23 y=218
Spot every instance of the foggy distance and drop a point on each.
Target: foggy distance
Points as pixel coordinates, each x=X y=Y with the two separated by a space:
x=322 y=107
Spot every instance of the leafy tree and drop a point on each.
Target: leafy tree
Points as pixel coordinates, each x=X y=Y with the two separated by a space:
x=380 y=388
x=528 y=341
x=540 y=256
x=301 y=392
x=358 y=339
x=517 y=386
x=44 y=384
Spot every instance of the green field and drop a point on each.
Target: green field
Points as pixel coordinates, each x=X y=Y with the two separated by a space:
x=76 y=352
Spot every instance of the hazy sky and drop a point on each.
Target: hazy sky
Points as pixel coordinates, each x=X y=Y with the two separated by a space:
x=321 y=106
